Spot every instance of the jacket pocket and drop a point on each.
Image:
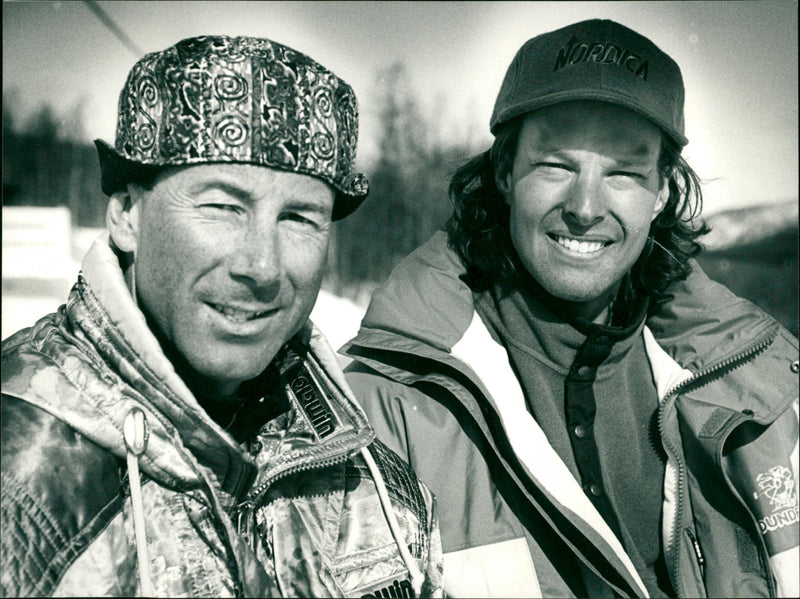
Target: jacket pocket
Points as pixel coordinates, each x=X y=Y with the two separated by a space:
x=366 y=558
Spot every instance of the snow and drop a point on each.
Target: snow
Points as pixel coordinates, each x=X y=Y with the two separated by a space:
x=338 y=318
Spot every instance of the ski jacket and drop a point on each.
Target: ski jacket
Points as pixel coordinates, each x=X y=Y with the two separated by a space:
x=440 y=390
x=116 y=482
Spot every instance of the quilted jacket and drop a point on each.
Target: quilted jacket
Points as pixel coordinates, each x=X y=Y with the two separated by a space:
x=116 y=482
x=440 y=390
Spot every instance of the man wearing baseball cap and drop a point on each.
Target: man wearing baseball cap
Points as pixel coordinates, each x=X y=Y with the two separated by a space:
x=179 y=427
x=595 y=416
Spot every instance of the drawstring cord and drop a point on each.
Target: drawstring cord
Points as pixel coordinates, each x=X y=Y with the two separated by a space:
x=136 y=435
x=416 y=575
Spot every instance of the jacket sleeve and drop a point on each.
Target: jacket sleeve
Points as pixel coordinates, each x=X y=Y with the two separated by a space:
x=484 y=546
x=59 y=492
x=382 y=400
x=377 y=395
x=434 y=583
x=762 y=464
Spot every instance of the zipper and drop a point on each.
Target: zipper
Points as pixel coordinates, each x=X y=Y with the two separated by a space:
x=298 y=367
x=701 y=561
x=699 y=379
x=245 y=525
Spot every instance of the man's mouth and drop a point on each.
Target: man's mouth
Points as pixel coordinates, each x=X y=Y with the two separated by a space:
x=579 y=246
x=238 y=315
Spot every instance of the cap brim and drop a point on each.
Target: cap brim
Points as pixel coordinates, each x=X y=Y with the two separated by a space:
x=116 y=172
x=602 y=95
x=344 y=205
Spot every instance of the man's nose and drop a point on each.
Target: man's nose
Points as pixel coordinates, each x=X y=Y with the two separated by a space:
x=585 y=204
x=258 y=258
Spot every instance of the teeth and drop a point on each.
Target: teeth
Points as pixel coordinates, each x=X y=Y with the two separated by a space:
x=236 y=315
x=580 y=247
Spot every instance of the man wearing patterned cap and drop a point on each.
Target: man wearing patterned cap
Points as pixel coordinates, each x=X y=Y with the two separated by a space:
x=179 y=427
x=595 y=416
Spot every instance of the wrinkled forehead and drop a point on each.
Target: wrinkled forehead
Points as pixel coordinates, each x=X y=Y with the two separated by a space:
x=247 y=182
x=590 y=125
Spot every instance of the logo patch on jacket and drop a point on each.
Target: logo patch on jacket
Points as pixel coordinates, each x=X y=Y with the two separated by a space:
x=777 y=486
x=310 y=398
x=400 y=588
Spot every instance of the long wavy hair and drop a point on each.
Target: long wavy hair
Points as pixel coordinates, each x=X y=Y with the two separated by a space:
x=479 y=230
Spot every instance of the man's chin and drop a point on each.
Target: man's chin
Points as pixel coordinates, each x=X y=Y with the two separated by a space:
x=222 y=378
x=578 y=294
x=580 y=298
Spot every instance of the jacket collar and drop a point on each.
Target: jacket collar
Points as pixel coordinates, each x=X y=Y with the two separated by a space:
x=102 y=308
x=704 y=323
x=426 y=300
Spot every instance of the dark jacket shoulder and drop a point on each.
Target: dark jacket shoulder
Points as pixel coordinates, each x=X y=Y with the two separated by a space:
x=59 y=491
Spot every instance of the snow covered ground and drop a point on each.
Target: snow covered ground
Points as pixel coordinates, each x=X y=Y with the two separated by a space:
x=41 y=259
x=338 y=318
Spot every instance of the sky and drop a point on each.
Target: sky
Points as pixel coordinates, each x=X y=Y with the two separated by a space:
x=739 y=62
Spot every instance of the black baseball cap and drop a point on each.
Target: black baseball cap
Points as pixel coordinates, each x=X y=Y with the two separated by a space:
x=594 y=60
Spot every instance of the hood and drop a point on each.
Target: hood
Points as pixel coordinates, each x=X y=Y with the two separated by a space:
x=705 y=324
x=102 y=308
x=424 y=299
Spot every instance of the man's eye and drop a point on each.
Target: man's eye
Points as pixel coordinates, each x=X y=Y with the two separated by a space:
x=300 y=219
x=235 y=208
x=556 y=171
x=627 y=174
x=553 y=165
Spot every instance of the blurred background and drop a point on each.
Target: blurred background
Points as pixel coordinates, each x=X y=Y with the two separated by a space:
x=426 y=75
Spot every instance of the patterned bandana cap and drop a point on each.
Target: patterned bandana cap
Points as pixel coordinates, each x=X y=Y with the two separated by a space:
x=236 y=99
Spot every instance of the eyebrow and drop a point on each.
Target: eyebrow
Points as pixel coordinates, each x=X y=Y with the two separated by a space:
x=297 y=204
x=223 y=186
x=634 y=156
x=643 y=151
x=245 y=196
x=633 y=159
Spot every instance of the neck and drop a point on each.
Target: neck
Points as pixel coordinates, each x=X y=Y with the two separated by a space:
x=255 y=402
x=205 y=388
x=598 y=310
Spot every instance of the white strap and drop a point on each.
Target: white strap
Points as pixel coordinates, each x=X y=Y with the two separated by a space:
x=417 y=577
x=136 y=434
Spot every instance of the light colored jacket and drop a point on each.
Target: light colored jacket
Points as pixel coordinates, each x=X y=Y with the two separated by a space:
x=440 y=390
x=116 y=482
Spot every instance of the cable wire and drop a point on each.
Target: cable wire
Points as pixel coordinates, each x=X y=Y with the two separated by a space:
x=114 y=28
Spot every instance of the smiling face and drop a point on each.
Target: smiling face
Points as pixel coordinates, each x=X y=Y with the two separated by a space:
x=228 y=263
x=583 y=189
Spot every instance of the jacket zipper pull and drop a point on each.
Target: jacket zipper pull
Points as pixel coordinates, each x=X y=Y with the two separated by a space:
x=245 y=525
x=701 y=561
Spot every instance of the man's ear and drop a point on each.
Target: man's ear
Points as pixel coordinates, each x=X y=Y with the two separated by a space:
x=502 y=180
x=661 y=198
x=122 y=218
